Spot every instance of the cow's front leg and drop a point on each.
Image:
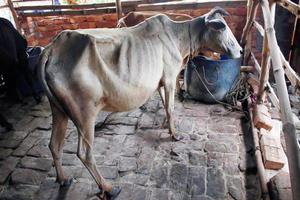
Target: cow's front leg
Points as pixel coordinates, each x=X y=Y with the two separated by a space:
x=169 y=106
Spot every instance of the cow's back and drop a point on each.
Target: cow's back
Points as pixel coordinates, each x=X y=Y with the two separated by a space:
x=117 y=63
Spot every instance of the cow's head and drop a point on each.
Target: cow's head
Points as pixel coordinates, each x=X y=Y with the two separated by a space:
x=218 y=36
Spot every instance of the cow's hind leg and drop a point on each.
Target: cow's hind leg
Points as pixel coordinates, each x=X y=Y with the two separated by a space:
x=85 y=154
x=59 y=127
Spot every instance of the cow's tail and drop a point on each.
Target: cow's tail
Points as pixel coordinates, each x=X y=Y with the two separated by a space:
x=42 y=77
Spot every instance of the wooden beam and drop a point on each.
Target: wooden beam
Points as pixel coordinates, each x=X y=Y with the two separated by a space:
x=290 y=6
x=290 y=73
x=189 y=5
x=3 y=6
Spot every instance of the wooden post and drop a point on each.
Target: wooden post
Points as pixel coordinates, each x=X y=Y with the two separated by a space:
x=264 y=75
x=293 y=152
x=119 y=8
x=252 y=6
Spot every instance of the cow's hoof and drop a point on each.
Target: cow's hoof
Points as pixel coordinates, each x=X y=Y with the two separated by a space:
x=67 y=182
x=177 y=137
x=113 y=193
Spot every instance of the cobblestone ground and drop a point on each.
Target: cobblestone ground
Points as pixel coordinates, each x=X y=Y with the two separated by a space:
x=214 y=160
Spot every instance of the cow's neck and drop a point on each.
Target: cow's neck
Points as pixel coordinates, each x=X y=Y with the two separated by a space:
x=189 y=36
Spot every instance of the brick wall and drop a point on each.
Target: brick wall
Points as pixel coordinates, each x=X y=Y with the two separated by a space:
x=41 y=30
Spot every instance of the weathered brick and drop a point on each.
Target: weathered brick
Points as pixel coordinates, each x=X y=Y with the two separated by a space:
x=7 y=166
x=27 y=176
x=215 y=183
x=127 y=164
x=42 y=164
x=178 y=177
x=25 y=146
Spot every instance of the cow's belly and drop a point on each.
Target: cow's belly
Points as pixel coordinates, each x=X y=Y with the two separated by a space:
x=126 y=99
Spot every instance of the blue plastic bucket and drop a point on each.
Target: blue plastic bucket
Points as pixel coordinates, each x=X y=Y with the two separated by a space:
x=210 y=80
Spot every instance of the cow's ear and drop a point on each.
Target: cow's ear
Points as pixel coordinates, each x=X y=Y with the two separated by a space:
x=216 y=24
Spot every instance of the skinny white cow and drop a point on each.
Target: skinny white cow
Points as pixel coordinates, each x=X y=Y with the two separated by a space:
x=86 y=71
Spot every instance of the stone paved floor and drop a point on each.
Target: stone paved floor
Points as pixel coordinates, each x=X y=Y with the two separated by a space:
x=214 y=161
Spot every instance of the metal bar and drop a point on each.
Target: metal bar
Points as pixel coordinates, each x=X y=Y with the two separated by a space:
x=71 y=12
x=83 y=6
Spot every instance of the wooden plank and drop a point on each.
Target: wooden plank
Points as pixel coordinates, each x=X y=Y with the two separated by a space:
x=247 y=69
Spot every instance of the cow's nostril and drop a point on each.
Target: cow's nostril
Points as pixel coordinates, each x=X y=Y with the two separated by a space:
x=241 y=51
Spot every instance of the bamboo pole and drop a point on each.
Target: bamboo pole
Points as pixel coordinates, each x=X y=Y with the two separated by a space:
x=265 y=63
x=289 y=130
x=119 y=9
x=252 y=6
x=265 y=67
x=259 y=161
x=272 y=95
x=14 y=14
